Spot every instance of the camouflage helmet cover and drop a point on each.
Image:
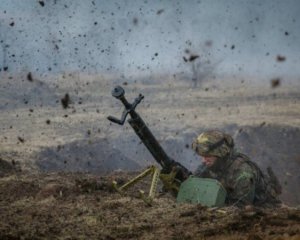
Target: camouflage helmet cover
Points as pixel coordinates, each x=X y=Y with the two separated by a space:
x=213 y=143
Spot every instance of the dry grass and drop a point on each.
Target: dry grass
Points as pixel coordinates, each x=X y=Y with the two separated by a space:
x=167 y=108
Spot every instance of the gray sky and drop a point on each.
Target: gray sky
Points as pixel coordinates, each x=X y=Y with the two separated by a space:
x=247 y=37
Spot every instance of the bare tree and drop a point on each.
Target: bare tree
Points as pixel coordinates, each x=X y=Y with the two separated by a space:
x=201 y=68
x=3 y=45
x=201 y=71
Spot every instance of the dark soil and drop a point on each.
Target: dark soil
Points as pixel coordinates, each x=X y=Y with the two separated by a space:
x=82 y=206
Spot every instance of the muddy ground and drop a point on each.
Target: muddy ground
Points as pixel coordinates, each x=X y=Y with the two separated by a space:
x=60 y=154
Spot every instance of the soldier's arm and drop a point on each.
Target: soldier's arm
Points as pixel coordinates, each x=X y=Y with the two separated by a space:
x=243 y=189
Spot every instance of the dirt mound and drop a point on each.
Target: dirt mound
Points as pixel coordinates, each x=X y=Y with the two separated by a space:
x=27 y=93
x=276 y=146
x=84 y=156
x=7 y=168
x=81 y=206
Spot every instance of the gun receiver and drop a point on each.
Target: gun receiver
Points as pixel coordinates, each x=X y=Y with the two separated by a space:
x=146 y=136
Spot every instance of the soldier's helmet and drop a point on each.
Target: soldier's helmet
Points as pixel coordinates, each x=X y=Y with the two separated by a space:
x=213 y=143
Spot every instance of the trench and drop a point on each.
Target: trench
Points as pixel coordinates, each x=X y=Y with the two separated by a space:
x=267 y=145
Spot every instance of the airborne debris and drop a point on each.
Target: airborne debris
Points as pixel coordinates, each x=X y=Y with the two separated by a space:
x=275 y=82
x=160 y=11
x=42 y=3
x=29 y=77
x=280 y=58
x=22 y=140
x=192 y=58
x=65 y=101
x=187 y=51
x=135 y=21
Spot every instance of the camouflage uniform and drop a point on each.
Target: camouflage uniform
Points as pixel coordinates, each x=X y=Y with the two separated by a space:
x=243 y=180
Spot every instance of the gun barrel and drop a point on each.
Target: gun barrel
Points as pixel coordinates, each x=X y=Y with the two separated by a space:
x=149 y=141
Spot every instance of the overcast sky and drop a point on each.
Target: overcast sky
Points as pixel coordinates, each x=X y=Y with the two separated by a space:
x=251 y=37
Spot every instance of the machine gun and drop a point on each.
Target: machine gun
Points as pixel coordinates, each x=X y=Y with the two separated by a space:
x=172 y=173
x=175 y=177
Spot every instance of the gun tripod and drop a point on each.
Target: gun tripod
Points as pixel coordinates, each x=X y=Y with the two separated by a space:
x=168 y=179
x=152 y=170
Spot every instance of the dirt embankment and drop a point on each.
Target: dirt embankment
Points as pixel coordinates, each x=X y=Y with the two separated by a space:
x=81 y=206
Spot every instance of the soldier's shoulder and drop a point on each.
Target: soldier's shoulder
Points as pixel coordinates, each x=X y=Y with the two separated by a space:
x=242 y=162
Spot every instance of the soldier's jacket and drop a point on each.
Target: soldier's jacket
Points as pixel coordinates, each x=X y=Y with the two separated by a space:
x=244 y=182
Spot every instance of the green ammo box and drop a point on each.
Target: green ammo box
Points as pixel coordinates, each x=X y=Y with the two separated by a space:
x=206 y=191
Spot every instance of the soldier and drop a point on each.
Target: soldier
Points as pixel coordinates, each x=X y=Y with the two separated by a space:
x=243 y=180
